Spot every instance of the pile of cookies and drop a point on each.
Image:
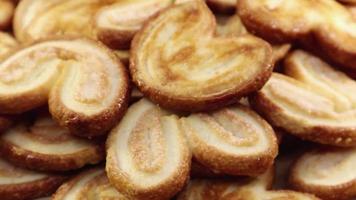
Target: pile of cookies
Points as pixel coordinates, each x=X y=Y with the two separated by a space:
x=177 y=99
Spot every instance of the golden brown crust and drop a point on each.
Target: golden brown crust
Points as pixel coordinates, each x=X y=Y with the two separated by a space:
x=73 y=109
x=240 y=142
x=326 y=24
x=222 y=6
x=147 y=155
x=7 y=9
x=318 y=172
x=172 y=83
x=313 y=104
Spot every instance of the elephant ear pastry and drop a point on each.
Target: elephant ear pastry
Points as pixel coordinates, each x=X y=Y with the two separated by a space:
x=327 y=27
x=7 y=9
x=314 y=102
x=148 y=156
x=43 y=145
x=232 y=140
x=222 y=6
x=90 y=184
x=250 y=189
x=190 y=68
x=83 y=82
x=21 y=184
x=327 y=172
x=7 y=42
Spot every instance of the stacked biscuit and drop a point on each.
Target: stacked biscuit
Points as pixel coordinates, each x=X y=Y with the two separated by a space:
x=177 y=99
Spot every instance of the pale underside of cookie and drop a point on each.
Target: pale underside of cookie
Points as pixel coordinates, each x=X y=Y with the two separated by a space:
x=327 y=173
x=84 y=83
x=222 y=6
x=314 y=102
x=90 y=184
x=44 y=145
x=21 y=184
x=7 y=9
x=232 y=140
x=178 y=62
x=325 y=26
x=148 y=156
x=7 y=42
x=244 y=189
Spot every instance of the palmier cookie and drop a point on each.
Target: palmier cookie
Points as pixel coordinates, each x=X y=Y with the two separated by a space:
x=252 y=189
x=7 y=42
x=90 y=184
x=7 y=9
x=327 y=172
x=232 y=140
x=21 y=184
x=325 y=26
x=177 y=61
x=43 y=145
x=314 y=102
x=85 y=84
x=147 y=154
x=222 y=6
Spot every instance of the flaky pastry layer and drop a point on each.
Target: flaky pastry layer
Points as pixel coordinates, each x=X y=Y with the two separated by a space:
x=44 y=145
x=7 y=43
x=232 y=140
x=314 y=102
x=178 y=62
x=327 y=172
x=147 y=154
x=84 y=83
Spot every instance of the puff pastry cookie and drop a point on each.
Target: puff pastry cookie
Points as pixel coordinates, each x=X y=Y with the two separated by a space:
x=148 y=156
x=178 y=62
x=7 y=42
x=314 y=102
x=85 y=84
x=251 y=189
x=90 y=184
x=232 y=140
x=327 y=173
x=21 y=184
x=7 y=9
x=43 y=145
x=322 y=25
x=222 y=6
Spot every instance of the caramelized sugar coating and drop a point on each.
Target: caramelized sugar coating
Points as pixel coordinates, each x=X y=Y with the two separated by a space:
x=7 y=42
x=191 y=69
x=44 y=145
x=85 y=84
x=328 y=173
x=7 y=9
x=90 y=184
x=21 y=184
x=314 y=102
x=348 y=1
x=113 y=22
x=250 y=189
x=232 y=140
x=222 y=6
x=148 y=156
x=323 y=25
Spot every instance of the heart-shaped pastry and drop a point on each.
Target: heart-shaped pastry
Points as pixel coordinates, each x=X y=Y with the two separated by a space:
x=84 y=83
x=314 y=102
x=177 y=61
x=326 y=172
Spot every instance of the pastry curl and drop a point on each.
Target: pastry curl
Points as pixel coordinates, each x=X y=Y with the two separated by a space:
x=84 y=83
x=90 y=184
x=21 y=184
x=232 y=140
x=177 y=61
x=7 y=42
x=326 y=172
x=7 y=9
x=314 y=102
x=43 y=145
x=222 y=6
x=148 y=156
x=250 y=189
x=325 y=26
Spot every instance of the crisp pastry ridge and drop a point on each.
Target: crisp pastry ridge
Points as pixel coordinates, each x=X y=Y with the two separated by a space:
x=89 y=184
x=243 y=189
x=326 y=172
x=324 y=26
x=313 y=102
x=232 y=140
x=22 y=184
x=7 y=9
x=222 y=6
x=147 y=154
x=84 y=83
x=202 y=72
x=44 y=145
